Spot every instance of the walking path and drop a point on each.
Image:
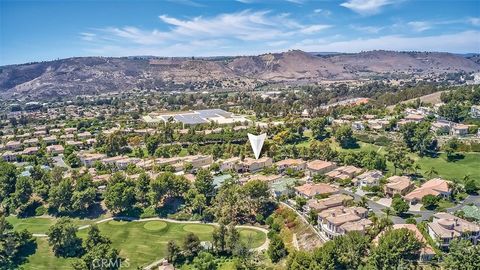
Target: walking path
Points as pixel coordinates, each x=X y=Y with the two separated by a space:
x=263 y=247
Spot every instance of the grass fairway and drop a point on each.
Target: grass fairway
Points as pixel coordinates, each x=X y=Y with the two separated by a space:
x=41 y=224
x=140 y=242
x=469 y=165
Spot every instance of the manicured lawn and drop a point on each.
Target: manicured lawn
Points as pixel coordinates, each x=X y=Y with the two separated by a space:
x=41 y=224
x=140 y=242
x=469 y=165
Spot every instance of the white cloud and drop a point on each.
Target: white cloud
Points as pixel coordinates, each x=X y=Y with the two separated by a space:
x=367 y=29
x=420 y=26
x=474 y=21
x=324 y=12
x=366 y=7
x=461 y=42
x=231 y=31
x=314 y=28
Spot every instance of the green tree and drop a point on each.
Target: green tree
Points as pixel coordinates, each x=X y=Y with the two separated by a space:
x=276 y=248
x=344 y=136
x=14 y=245
x=98 y=248
x=23 y=191
x=462 y=255
x=204 y=183
x=399 y=205
x=142 y=188
x=173 y=252
x=205 y=261
x=317 y=126
x=191 y=245
x=470 y=185
x=430 y=201
x=120 y=193
x=395 y=248
x=60 y=196
x=62 y=236
x=219 y=236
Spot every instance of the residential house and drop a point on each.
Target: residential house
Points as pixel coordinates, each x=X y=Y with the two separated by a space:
x=398 y=185
x=30 y=151
x=358 y=125
x=310 y=190
x=475 y=111
x=344 y=172
x=233 y=164
x=89 y=159
x=414 y=118
x=49 y=140
x=436 y=187
x=55 y=149
x=368 y=179
x=13 y=145
x=320 y=167
x=31 y=142
x=446 y=227
x=9 y=156
x=254 y=165
x=199 y=161
x=294 y=164
x=70 y=130
x=323 y=204
x=459 y=130
x=441 y=126
x=340 y=220
x=84 y=135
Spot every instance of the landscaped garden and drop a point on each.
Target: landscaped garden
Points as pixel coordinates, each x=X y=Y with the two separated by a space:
x=139 y=242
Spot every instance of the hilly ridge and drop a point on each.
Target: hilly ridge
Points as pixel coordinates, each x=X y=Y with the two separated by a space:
x=94 y=75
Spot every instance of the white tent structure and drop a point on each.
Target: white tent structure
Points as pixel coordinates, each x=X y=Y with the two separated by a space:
x=256 y=141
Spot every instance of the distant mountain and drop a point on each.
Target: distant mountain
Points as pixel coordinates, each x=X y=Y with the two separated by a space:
x=93 y=75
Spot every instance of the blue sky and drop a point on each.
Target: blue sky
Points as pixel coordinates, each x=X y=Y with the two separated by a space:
x=46 y=30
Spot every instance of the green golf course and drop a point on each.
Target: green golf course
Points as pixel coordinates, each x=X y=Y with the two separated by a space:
x=139 y=242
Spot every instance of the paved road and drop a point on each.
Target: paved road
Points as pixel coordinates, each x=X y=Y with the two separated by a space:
x=377 y=209
x=471 y=199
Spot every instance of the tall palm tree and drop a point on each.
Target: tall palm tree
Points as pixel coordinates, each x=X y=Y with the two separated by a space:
x=431 y=172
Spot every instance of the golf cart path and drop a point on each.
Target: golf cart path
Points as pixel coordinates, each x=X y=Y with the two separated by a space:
x=263 y=247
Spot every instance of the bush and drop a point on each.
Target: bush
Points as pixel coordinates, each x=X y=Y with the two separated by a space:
x=149 y=212
x=40 y=211
x=411 y=220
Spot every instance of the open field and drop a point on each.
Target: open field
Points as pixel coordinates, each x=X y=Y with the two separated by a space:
x=41 y=224
x=140 y=242
x=469 y=165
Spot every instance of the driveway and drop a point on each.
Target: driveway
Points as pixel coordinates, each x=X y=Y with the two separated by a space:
x=385 y=201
